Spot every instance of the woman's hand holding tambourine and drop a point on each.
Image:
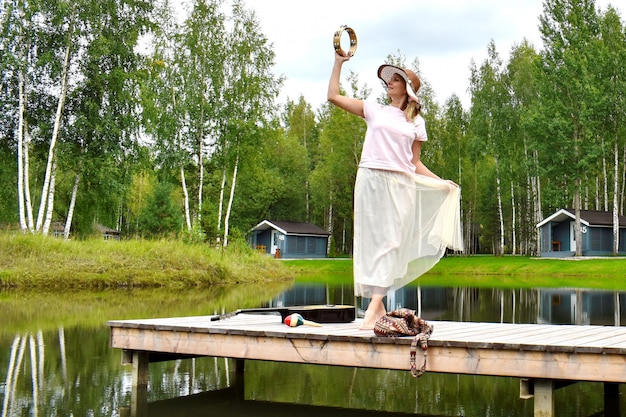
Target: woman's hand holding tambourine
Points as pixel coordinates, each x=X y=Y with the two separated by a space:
x=337 y=41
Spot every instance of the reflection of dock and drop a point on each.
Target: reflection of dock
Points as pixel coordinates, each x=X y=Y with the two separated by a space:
x=543 y=356
x=230 y=402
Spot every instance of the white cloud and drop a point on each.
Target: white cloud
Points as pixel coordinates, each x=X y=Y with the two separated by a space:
x=445 y=36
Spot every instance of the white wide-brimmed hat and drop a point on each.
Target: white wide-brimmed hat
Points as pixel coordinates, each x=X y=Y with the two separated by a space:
x=385 y=72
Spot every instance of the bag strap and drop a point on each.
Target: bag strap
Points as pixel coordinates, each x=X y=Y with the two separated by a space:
x=423 y=340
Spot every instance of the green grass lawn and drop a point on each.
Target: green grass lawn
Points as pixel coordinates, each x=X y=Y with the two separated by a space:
x=489 y=272
x=32 y=261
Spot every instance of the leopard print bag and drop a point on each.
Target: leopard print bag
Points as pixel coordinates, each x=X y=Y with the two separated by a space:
x=403 y=322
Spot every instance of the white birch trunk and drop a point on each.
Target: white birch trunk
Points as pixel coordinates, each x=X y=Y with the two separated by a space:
x=330 y=223
x=63 y=354
x=46 y=190
x=50 y=203
x=577 y=230
x=615 y=201
x=185 y=197
x=16 y=374
x=41 y=354
x=220 y=207
x=230 y=201
x=70 y=211
x=500 y=214
x=538 y=211
x=27 y=199
x=597 y=193
x=586 y=200
x=20 y=156
x=514 y=224
x=539 y=214
x=343 y=237
x=33 y=373
x=460 y=178
x=307 y=202
x=605 y=179
x=200 y=179
x=621 y=209
x=530 y=197
x=10 y=370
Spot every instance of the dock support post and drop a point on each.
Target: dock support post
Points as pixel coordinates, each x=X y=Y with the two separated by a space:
x=544 y=398
x=611 y=400
x=239 y=377
x=139 y=394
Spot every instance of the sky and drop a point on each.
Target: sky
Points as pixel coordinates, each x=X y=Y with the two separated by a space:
x=444 y=35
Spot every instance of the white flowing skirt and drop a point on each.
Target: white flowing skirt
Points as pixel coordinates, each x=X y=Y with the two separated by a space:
x=402 y=227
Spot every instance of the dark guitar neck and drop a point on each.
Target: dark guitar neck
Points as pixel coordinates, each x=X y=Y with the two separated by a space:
x=317 y=313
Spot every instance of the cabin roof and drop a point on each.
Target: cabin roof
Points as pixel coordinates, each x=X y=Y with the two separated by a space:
x=587 y=217
x=291 y=228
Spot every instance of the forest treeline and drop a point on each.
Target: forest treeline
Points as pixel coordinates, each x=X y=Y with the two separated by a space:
x=120 y=113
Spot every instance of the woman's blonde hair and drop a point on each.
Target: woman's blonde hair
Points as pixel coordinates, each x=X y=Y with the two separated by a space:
x=412 y=109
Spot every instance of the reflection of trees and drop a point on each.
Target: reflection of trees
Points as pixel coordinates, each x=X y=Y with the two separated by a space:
x=78 y=374
x=434 y=394
x=492 y=305
x=16 y=358
x=464 y=300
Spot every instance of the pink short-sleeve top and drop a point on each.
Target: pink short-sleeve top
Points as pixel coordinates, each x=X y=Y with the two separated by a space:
x=389 y=138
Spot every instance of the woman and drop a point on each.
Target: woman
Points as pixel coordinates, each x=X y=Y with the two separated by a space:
x=404 y=215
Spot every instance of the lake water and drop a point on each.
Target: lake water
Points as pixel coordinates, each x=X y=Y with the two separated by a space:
x=55 y=358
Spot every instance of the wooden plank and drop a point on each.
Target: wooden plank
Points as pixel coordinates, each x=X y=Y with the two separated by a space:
x=561 y=339
x=499 y=334
x=593 y=353
x=527 y=364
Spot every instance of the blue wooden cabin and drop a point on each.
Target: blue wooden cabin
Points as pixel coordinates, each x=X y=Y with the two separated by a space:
x=557 y=234
x=289 y=239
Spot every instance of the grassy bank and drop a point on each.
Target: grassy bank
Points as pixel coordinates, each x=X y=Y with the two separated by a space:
x=489 y=272
x=28 y=261
x=36 y=262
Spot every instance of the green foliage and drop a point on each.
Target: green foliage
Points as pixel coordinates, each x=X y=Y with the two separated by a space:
x=161 y=216
x=196 y=109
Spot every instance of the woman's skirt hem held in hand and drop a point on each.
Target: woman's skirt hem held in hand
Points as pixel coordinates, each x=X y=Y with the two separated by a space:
x=403 y=225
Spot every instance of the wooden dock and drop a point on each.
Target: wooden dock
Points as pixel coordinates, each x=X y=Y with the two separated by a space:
x=543 y=357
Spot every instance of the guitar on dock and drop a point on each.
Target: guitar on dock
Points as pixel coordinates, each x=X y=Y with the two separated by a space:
x=328 y=313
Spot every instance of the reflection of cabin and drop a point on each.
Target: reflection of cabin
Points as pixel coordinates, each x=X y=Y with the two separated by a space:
x=584 y=307
x=558 y=233
x=289 y=239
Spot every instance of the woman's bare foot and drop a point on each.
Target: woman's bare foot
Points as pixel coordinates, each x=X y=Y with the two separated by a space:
x=375 y=310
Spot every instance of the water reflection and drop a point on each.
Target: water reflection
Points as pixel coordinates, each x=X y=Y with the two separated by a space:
x=544 y=306
x=56 y=361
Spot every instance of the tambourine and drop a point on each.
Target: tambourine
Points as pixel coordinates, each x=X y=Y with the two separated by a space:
x=337 y=40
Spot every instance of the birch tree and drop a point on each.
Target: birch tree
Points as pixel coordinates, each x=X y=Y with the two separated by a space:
x=301 y=125
x=18 y=43
x=489 y=123
x=520 y=72
x=611 y=108
x=104 y=107
x=249 y=93
x=201 y=63
x=454 y=146
x=569 y=31
x=163 y=99
x=332 y=180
